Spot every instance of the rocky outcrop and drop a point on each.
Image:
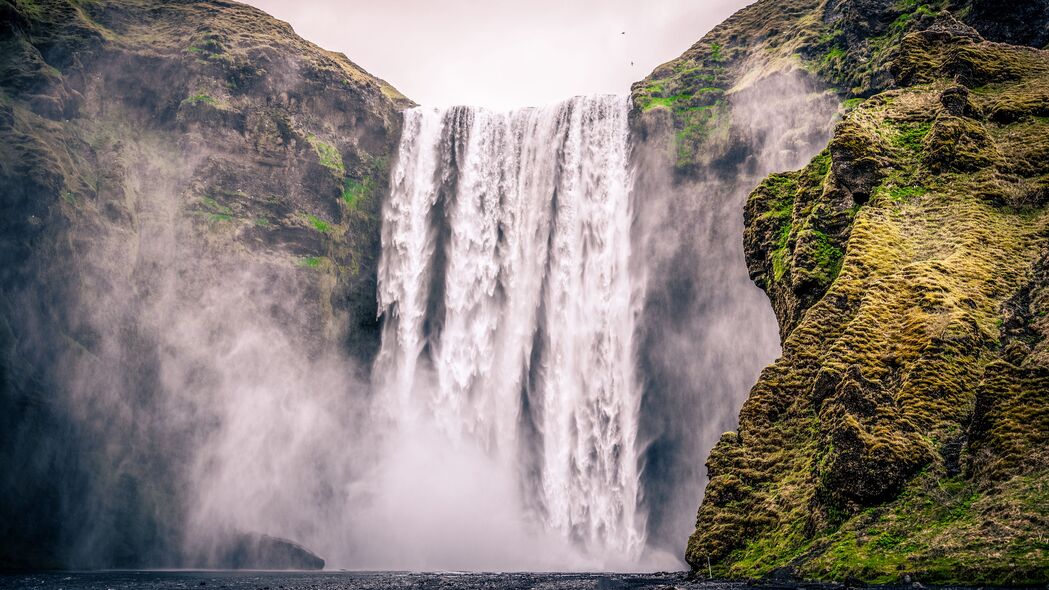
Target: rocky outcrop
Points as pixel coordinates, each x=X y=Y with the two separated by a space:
x=165 y=166
x=703 y=139
x=901 y=434
x=263 y=552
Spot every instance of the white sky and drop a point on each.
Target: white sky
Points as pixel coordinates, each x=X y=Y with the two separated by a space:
x=502 y=53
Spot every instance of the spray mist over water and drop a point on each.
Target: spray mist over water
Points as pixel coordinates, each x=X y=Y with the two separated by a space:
x=507 y=369
x=552 y=322
x=706 y=330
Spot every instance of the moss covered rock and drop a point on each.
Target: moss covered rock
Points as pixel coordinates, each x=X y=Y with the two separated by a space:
x=902 y=432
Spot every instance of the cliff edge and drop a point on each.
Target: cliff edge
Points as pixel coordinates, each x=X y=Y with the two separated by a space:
x=902 y=434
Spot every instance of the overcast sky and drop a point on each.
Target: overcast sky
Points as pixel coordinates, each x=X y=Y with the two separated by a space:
x=502 y=53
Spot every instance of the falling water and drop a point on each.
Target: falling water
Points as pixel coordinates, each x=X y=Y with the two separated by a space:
x=510 y=308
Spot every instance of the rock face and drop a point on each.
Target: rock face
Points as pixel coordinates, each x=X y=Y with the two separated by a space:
x=165 y=165
x=703 y=140
x=902 y=433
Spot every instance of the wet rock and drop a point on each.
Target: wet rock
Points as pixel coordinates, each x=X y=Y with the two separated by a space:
x=263 y=552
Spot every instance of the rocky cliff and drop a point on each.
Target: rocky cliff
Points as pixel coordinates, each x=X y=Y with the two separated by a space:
x=167 y=170
x=902 y=433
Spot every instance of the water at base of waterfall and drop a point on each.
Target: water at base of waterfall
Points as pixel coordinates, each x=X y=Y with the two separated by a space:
x=246 y=580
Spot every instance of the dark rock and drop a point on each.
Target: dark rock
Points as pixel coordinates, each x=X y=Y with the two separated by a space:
x=262 y=552
x=955 y=101
x=854 y=582
x=1023 y=22
x=783 y=575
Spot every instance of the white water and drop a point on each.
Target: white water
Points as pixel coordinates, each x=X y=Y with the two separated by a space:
x=507 y=370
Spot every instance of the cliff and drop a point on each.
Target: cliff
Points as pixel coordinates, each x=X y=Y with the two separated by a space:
x=901 y=434
x=167 y=170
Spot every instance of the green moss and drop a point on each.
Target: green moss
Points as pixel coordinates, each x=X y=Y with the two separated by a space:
x=199 y=98
x=312 y=261
x=920 y=534
x=207 y=45
x=666 y=102
x=699 y=125
x=214 y=211
x=911 y=135
x=780 y=259
x=319 y=224
x=905 y=193
x=354 y=190
x=328 y=154
x=851 y=103
x=834 y=55
x=715 y=52
x=826 y=256
x=918 y=350
x=215 y=207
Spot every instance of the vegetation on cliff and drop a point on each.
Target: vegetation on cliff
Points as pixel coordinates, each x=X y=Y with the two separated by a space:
x=148 y=150
x=845 y=45
x=903 y=431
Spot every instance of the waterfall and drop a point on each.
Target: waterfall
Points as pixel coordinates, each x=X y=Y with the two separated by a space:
x=510 y=308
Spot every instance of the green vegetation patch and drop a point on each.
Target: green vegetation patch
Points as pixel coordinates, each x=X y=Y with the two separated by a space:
x=207 y=45
x=851 y=103
x=715 y=53
x=699 y=125
x=312 y=261
x=328 y=155
x=906 y=193
x=319 y=224
x=214 y=211
x=911 y=135
x=198 y=99
x=354 y=190
x=652 y=102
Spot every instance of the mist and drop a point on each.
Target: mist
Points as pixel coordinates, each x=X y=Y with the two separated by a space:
x=214 y=402
x=707 y=331
x=574 y=334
